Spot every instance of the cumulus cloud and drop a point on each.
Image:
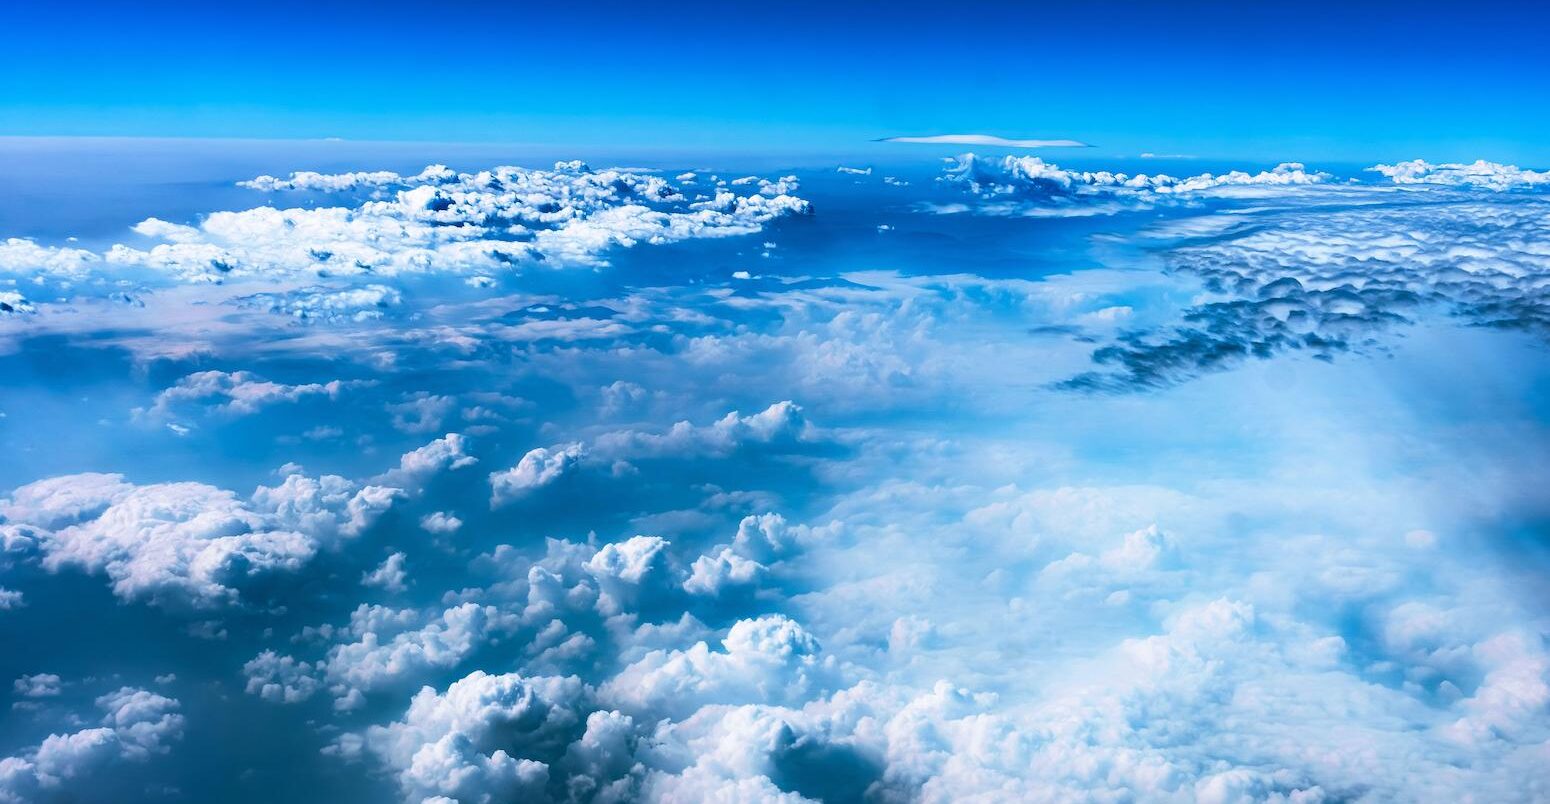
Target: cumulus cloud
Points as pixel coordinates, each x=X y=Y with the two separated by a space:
x=280 y=679
x=436 y=221
x=1480 y=173
x=189 y=543
x=486 y=738
x=769 y=659
x=389 y=576
x=539 y=467
x=13 y=303
x=38 y=685
x=418 y=466
x=238 y=393
x=136 y=724
x=1028 y=185
x=336 y=305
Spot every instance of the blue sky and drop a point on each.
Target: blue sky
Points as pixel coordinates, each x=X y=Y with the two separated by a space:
x=1330 y=81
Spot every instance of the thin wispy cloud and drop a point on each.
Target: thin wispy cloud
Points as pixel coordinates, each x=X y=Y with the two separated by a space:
x=988 y=140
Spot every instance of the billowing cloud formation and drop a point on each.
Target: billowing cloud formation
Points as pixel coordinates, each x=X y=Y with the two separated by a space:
x=13 y=303
x=1480 y=173
x=780 y=426
x=238 y=393
x=188 y=543
x=487 y=221
x=436 y=221
x=988 y=140
x=322 y=304
x=136 y=724
x=927 y=572
x=1027 y=185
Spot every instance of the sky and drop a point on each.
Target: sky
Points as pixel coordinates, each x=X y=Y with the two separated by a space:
x=1332 y=81
x=594 y=406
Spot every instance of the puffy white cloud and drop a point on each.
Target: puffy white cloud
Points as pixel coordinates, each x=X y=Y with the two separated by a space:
x=307 y=180
x=435 y=221
x=725 y=571
x=136 y=724
x=375 y=661
x=441 y=523
x=486 y=738
x=239 y=392
x=38 y=685
x=538 y=468
x=418 y=466
x=332 y=305
x=13 y=303
x=780 y=423
x=27 y=258
x=280 y=679
x=1480 y=173
x=770 y=658
x=189 y=543
x=1028 y=185
x=389 y=576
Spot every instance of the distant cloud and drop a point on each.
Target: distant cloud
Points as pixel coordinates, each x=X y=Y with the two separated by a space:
x=986 y=139
x=1480 y=173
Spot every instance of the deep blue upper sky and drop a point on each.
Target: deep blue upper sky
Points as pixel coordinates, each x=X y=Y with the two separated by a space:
x=1312 y=80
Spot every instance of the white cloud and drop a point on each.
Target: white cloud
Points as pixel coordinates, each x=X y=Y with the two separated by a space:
x=440 y=523
x=38 y=685
x=439 y=222
x=13 y=303
x=136 y=724
x=389 y=576
x=189 y=543
x=280 y=679
x=769 y=659
x=1028 y=185
x=538 y=468
x=1480 y=173
x=239 y=393
x=486 y=738
x=418 y=466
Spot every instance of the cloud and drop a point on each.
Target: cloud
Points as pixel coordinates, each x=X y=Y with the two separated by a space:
x=1330 y=283
x=419 y=466
x=13 y=303
x=987 y=140
x=1028 y=185
x=189 y=543
x=537 y=468
x=1480 y=173
x=770 y=659
x=329 y=305
x=389 y=576
x=280 y=679
x=440 y=523
x=494 y=220
x=136 y=725
x=239 y=393
x=38 y=685
x=485 y=738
